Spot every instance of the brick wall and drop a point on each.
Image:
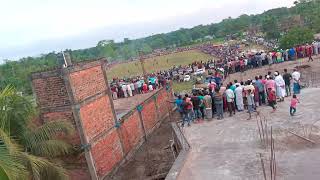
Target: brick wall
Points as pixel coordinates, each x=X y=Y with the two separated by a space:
x=162 y=103
x=131 y=131
x=107 y=153
x=80 y=94
x=97 y=117
x=149 y=115
x=88 y=82
x=50 y=89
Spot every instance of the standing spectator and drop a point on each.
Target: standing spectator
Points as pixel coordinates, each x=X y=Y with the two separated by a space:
x=230 y=100
x=208 y=105
x=296 y=81
x=281 y=92
x=124 y=89
x=187 y=110
x=260 y=86
x=196 y=102
x=239 y=98
x=218 y=102
x=129 y=90
x=250 y=98
x=287 y=80
x=132 y=88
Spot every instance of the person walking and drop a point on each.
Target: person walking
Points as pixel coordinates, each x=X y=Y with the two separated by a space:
x=272 y=99
x=293 y=105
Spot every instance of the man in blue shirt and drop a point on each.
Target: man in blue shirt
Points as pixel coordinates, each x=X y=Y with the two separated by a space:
x=260 y=86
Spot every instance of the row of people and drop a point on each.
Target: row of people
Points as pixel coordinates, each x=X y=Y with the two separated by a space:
x=239 y=96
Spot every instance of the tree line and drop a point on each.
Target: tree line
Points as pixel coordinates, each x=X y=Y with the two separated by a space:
x=303 y=17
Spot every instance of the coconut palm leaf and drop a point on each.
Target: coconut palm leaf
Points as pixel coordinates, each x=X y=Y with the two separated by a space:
x=11 y=166
x=15 y=112
x=42 y=168
x=51 y=148
x=43 y=140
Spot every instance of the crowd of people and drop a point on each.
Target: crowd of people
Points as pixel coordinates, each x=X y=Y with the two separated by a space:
x=236 y=96
x=232 y=59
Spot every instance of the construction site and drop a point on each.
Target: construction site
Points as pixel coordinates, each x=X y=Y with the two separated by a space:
x=142 y=137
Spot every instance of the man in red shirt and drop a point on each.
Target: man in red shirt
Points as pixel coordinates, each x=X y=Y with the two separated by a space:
x=309 y=50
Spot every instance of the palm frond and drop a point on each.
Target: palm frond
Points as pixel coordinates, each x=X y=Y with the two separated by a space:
x=51 y=129
x=51 y=148
x=10 y=162
x=42 y=168
x=11 y=165
x=43 y=140
x=15 y=111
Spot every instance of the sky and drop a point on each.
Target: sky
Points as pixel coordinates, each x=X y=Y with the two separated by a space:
x=32 y=27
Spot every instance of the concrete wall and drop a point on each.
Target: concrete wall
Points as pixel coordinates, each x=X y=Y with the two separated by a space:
x=80 y=94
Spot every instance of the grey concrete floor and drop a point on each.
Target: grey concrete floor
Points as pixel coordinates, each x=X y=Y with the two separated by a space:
x=228 y=149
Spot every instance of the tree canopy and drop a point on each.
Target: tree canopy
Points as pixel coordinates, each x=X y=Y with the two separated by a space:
x=296 y=36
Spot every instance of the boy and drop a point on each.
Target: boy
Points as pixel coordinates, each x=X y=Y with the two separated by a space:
x=272 y=99
x=293 y=105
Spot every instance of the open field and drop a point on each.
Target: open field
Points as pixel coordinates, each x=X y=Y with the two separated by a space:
x=183 y=86
x=157 y=63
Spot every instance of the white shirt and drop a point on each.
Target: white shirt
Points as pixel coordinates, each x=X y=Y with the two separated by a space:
x=296 y=76
x=150 y=87
x=230 y=95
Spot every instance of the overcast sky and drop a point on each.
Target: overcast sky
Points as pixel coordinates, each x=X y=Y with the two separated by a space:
x=32 y=27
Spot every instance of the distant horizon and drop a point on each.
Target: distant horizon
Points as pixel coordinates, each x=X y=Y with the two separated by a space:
x=32 y=35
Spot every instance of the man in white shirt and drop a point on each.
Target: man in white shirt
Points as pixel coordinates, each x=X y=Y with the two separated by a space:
x=239 y=98
x=230 y=100
x=124 y=89
x=280 y=86
x=296 y=80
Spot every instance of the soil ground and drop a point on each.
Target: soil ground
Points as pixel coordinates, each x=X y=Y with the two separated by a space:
x=154 y=158
x=229 y=148
x=123 y=105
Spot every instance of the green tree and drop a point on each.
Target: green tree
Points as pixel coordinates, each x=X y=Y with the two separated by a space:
x=270 y=27
x=295 y=37
x=28 y=151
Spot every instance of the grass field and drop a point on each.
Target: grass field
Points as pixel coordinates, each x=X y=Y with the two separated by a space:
x=181 y=87
x=157 y=63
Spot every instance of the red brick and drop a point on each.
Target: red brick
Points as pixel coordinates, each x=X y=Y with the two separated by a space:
x=149 y=116
x=87 y=83
x=107 y=153
x=131 y=132
x=97 y=117
x=51 y=92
